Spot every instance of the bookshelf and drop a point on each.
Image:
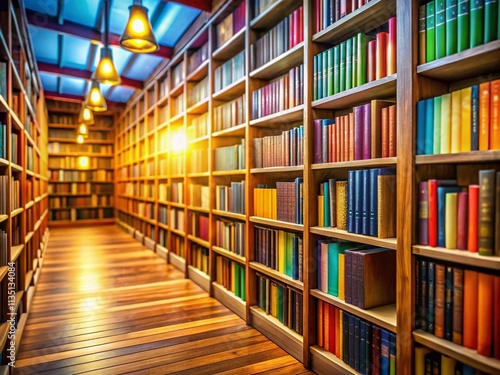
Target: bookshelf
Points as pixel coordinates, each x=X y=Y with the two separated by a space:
x=23 y=176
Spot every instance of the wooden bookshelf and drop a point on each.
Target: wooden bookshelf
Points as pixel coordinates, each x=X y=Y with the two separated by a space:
x=390 y=243
x=324 y=362
x=458 y=256
x=230 y=255
x=280 y=64
x=276 y=275
x=229 y=300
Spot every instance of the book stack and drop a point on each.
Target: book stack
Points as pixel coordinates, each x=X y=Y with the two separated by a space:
x=230 y=158
x=366 y=133
x=231 y=71
x=198 y=160
x=284 y=93
x=231 y=276
x=427 y=360
x=177 y=245
x=460 y=121
x=198 y=127
x=461 y=217
x=446 y=27
x=284 y=202
x=365 y=347
x=199 y=92
x=199 y=225
x=177 y=75
x=354 y=62
x=285 y=149
x=199 y=196
x=199 y=257
x=279 y=250
x=459 y=305
x=327 y=12
x=281 y=38
x=281 y=302
x=177 y=219
x=353 y=273
x=229 y=114
x=230 y=25
x=197 y=58
x=163 y=214
x=231 y=198
x=230 y=235
x=3 y=141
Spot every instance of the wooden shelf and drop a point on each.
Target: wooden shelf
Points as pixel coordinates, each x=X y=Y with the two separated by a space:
x=199 y=209
x=71 y=223
x=231 y=91
x=4 y=162
x=234 y=131
x=15 y=251
x=79 y=208
x=178 y=232
x=231 y=47
x=20 y=328
x=88 y=141
x=228 y=299
x=177 y=118
x=354 y=164
x=479 y=60
x=199 y=278
x=277 y=223
x=28 y=279
x=4 y=333
x=177 y=261
x=281 y=64
x=89 y=154
x=325 y=363
x=285 y=279
x=16 y=212
x=175 y=204
x=229 y=215
x=199 y=108
x=3 y=218
x=199 y=139
x=273 y=170
x=379 y=89
x=274 y=14
x=28 y=236
x=163 y=226
x=198 y=174
x=199 y=73
x=458 y=256
x=458 y=352
x=462 y=157
x=74 y=126
x=229 y=173
x=230 y=255
x=290 y=115
x=384 y=316
x=199 y=241
x=389 y=243
x=177 y=90
x=17 y=167
x=3 y=272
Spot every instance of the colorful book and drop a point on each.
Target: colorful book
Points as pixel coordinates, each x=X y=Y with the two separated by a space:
x=391 y=47
x=456 y=117
x=429 y=126
x=422 y=26
x=423 y=213
x=465 y=120
x=458 y=294
x=462 y=220
x=484 y=116
x=430 y=32
x=477 y=24
x=451 y=27
x=485 y=314
x=486 y=211
x=445 y=135
x=421 y=127
x=440 y=28
x=495 y=114
x=491 y=20
x=470 y=309
x=436 y=149
x=463 y=25
x=381 y=56
x=451 y=208
x=473 y=220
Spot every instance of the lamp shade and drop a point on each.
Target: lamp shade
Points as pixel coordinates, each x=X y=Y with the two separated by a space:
x=86 y=116
x=106 y=71
x=138 y=35
x=95 y=100
x=80 y=139
x=83 y=130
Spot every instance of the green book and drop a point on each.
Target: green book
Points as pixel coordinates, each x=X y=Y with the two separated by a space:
x=288 y=253
x=477 y=23
x=334 y=249
x=348 y=64
x=279 y=303
x=440 y=28
x=236 y=270
x=315 y=70
x=336 y=69
x=242 y=284
x=463 y=41
x=330 y=71
x=325 y=74
x=342 y=66
x=491 y=19
x=445 y=124
x=437 y=126
x=326 y=204
x=430 y=33
x=354 y=65
x=451 y=27
x=320 y=75
x=362 y=45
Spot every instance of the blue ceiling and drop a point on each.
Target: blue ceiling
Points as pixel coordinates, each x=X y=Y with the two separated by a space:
x=59 y=49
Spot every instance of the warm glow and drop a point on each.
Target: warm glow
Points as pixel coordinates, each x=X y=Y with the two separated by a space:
x=82 y=129
x=83 y=161
x=95 y=96
x=86 y=116
x=178 y=142
x=80 y=139
x=138 y=35
x=95 y=100
x=106 y=71
x=138 y=25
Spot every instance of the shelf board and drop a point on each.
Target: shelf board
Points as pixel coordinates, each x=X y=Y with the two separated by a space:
x=16 y=212
x=324 y=362
x=273 y=14
x=3 y=272
x=198 y=174
x=462 y=157
x=230 y=215
x=458 y=352
x=229 y=173
x=28 y=279
x=15 y=251
x=296 y=168
x=74 y=126
x=4 y=162
x=228 y=299
x=177 y=232
x=234 y=131
x=88 y=141
x=199 y=139
x=370 y=16
x=70 y=223
x=4 y=333
x=199 y=241
x=177 y=261
x=384 y=316
x=479 y=60
x=177 y=90
x=231 y=91
x=229 y=254
x=389 y=243
x=177 y=176
x=277 y=223
x=285 y=279
x=162 y=226
x=199 y=278
x=29 y=236
x=199 y=108
x=281 y=64
x=199 y=73
x=89 y=154
x=20 y=328
x=458 y=256
x=80 y=207
x=379 y=89
x=231 y=47
x=369 y=163
x=177 y=117
x=176 y=204
x=290 y=115
x=3 y=218
x=199 y=209
x=17 y=167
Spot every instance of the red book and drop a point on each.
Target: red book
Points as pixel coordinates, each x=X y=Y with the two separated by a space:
x=462 y=221
x=345 y=8
x=381 y=55
x=294 y=32
x=392 y=131
x=385 y=132
x=372 y=61
x=495 y=115
x=342 y=138
x=432 y=191
x=361 y=3
x=346 y=138
x=496 y=314
x=470 y=309
x=318 y=25
x=354 y=5
x=332 y=328
x=485 y=315
x=351 y=136
x=301 y=25
x=337 y=332
x=338 y=144
x=391 y=47
x=473 y=211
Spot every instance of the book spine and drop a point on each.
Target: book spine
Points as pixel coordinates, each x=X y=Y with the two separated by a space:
x=451 y=27
x=358 y=132
x=484 y=116
x=440 y=301
x=362 y=45
x=465 y=121
x=366 y=204
x=391 y=47
x=491 y=20
x=496 y=322
x=473 y=221
x=476 y=23
x=436 y=149
x=371 y=71
x=429 y=126
x=392 y=131
x=433 y=221
x=343 y=58
x=463 y=26
x=423 y=213
x=456 y=117
x=367 y=132
x=350 y=201
x=470 y=309
x=451 y=221
x=474 y=118
x=462 y=205
x=358 y=201
x=336 y=69
x=374 y=202
x=381 y=56
x=440 y=28
x=448 y=307
x=458 y=293
x=485 y=315
x=430 y=32
x=445 y=124
x=495 y=115
x=421 y=127
x=486 y=211
x=431 y=293
x=422 y=26
x=385 y=132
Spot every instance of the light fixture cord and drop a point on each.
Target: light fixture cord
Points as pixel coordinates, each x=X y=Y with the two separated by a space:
x=138 y=2
x=106 y=23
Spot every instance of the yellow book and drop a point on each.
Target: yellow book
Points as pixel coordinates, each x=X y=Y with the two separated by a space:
x=420 y=353
x=456 y=115
x=257 y=202
x=341 y=276
x=274 y=210
x=465 y=120
x=218 y=260
x=281 y=251
x=321 y=213
x=341 y=192
x=450 y=228
x=266 y=203
x=447 y=365
x=445 y=124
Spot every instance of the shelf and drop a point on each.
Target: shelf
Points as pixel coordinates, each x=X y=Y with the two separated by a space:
x=290 y=115
x=16 y=212
x=4 y=333
x=15 y=251
x=231 y=47
x=88 y=141
x=324 y=362
x=175 y=204
x=176 y=176
x=228 y=299
x=379 y=89
x=462 y=157
x=231 y=91
x=384 y=316
x=29 y=236
x=458 y=256
x=367 y=18
x=199 y=209
x=73 y=194
x=3 y=272
x=28 y=279
x=479 y=60
x=17 y=167
x=199 y=139
x=234 y=131
x=89 y=154
x=199 y=278
x=199 y=108
x=285 y=279
x=199 y=241
x=91 y=127
x=70 y=223
x=274 y=14
x=389 y=243
x=281 y=64
x=230 y=215
x=3 y=218
x=458 y=352
x=296 y=168
x=369 y=163
x=162 y=226
x=177 y=261
x=79 y=208
x=4 y=162
x=277 y=223
x=29 y=204
x=230 y=255
x=198 y=174
x=199 y=73
x=80 y=182
x=20 y=328
x=178 y=232
x=162 y=251
x=177 y=117
x=177 y=90
x=236 y=172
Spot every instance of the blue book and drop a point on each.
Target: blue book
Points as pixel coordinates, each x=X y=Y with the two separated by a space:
x=368 y=350
x=350 y=201
x=365 y=217
x=326 y=13
x=299 y=200
x=358 y=200
x=475 y=118
x=334 y=249
x=384 y=350
x=441 y=195
x=429 y=126
x=431 y=269
x=320 y=75
x=326 y=204
x=468 y=370
x=345 y=337
x=421 y=118
x=357 y=343
x=352 y=338
x=374 y=173
x=362 y=350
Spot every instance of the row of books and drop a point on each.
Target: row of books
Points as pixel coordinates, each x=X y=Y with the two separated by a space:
x=230 y=25
x=81 y=214
x=230 y=235
x=173 y=192
x=54 y=147
x=283 y=202
x=200 y=225
x=354 y=62
x=15 y=194
x=230 y=158
x=327 y=12
x=230 y=71
x=55 y=118
x=199 y=257
x=74 y=162
x=176 y=219
x=351 y=272
x=198 y=92
x=461 y=121
x=177 y=105
x=198 y=160
x=199 y=196
x=163 y=215
x=281 y=302
x=144 y=209
x=363 y=346
x=197 y=58
x=177 y=75
x=285 y=149
x=284 y=93
x=230 y=114
x=231 y=276
x=68 y=202
x=458 y=217
x=459 y=305
x=279 y=250
x=431 y=362
x=178 y=246
x=260 y=6
x=28 y=190
x=446 y=27
x=177 y=165
x=231 y=198
x=3 y=141
x=70 y=134
x=81 y=188
x=199 y=126
x=284 y=36
x=81 y=176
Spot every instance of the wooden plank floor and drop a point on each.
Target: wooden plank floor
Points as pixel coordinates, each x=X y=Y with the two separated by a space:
x=107 y=305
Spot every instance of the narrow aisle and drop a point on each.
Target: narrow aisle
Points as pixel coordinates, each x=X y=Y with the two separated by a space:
x=105 y=304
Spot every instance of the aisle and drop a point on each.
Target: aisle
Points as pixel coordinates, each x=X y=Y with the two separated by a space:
x=105 y=304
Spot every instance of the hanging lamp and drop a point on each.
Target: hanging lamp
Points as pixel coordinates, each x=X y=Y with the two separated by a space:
x=138 y=35
x=86 y=116
x=80 y=139
x=83 y=130
x=95 y=100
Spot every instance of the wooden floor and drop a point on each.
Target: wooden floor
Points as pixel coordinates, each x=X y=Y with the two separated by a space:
x=105 y=304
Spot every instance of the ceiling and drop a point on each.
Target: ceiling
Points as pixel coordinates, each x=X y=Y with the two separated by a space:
x=66 y=36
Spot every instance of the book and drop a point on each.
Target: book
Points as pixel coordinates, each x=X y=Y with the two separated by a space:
x=440 y=28
x=484 y=116
x=436 y=149
x=496 y=322
x=451 y=208
x=491 y=26
x=423 y=213
x=391 y=47
x=386 y=206
x=430 y=32
x=470 y=306
x=431 y=293
x=442 y=192
x=381 y=55
x=456 y=117
x=451 y=27
x=439 y=313
x=445 y=136
x=477 y=24
x=422 y=26
x=486 y=211
x=421 y=127
x=474 y=107
x=485 y=314
x=473 y=222
x=465 y=120
x=448 y=304
x=429 y=126
x=371 y=70
x=458 y=294
x=463 y=25
x=462 y=220
x=495 y=115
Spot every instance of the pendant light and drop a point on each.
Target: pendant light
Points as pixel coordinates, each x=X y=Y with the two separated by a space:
x=106 y=71
x=86 y=116
x=80 y=139
x=138 y=35
x=95 y=100
x=83 y=130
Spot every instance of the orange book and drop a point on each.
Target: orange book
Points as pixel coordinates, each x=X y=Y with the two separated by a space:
x=495 y=115
x=385 y=132
x=381 y=56
x=339 y=139
x=485 y=315
x=484 y=116
x=320 y=323
x=351 y=136
x=337 y=332
x=392 y=131
x=326 y=325
x=496 y=320
x=391 y=47
x=470 y=309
